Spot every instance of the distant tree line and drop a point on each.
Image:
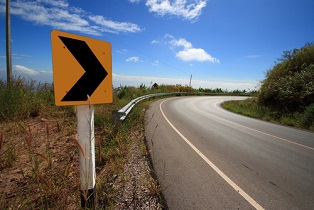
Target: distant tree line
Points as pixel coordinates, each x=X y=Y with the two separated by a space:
x=133 y=92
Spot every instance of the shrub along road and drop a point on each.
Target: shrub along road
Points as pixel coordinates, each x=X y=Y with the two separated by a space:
x=206 y=157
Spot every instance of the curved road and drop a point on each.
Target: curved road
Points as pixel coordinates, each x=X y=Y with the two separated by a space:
x=208 y=158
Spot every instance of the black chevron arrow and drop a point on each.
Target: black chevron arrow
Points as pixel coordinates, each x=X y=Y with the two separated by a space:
x=94 y=74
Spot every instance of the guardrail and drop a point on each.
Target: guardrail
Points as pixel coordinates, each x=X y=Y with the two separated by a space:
x=120 y=115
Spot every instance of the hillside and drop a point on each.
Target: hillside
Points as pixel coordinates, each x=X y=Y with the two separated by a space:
x=286 y=94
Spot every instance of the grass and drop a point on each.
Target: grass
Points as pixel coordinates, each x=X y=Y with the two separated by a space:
x=251 y=108
x=39 y=155
x=24 y=98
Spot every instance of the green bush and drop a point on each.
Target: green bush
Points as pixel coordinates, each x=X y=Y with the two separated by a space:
x=289 y=86
x=308 y=116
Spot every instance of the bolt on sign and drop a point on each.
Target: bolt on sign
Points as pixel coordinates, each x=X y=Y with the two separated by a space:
x=82 y=69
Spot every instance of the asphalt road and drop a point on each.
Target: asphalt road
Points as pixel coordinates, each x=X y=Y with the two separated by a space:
x=208 y=158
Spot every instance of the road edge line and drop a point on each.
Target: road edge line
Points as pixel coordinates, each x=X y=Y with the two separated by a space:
x=212 y=165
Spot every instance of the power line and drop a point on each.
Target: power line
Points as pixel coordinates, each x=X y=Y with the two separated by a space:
x=151 y=57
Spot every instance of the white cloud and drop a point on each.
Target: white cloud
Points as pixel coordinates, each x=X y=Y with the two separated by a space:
x=24 y=70
x=58 y=3
x=60 y=15
x=28 y=73
x=188 y=9
x=154 y=42
x=133 y=59
x=134 y=1
x=189 y=53
x=181 y=43
x=194 y=54
x=148 y=81
x=113 y=26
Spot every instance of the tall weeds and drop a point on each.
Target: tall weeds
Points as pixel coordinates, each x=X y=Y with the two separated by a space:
x=23 y=98
x=38 y=146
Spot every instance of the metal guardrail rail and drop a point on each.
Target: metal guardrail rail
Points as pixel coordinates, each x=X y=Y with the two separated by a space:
x=121 y=114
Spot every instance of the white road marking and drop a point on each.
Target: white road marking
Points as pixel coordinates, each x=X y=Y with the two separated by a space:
x=213 y=166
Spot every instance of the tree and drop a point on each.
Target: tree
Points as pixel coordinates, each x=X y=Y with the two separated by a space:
x=290 y=84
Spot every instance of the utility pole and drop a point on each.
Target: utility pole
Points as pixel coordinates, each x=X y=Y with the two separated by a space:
x=8 y=43
x=190 y=80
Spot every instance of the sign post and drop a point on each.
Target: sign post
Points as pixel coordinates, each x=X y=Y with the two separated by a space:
x=85 y=132
x=82 y=73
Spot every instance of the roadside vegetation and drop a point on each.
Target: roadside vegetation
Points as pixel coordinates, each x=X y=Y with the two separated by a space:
x=39 y=149
x=286 y=95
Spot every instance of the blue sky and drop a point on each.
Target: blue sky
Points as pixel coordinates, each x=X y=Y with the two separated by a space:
x=227 y=44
